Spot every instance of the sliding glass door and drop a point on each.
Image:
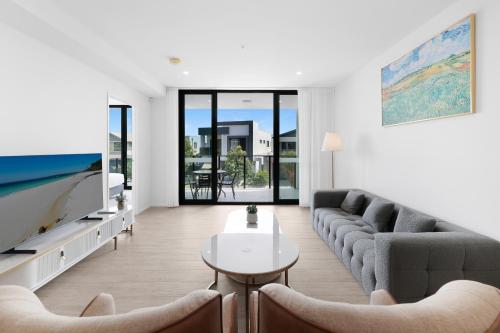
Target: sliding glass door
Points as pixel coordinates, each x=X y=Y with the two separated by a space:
x=197 y=148
x=288 y=148
x=238 y=147
x=245 y=147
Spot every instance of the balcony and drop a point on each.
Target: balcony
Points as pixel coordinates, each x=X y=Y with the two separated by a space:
x=240 y=178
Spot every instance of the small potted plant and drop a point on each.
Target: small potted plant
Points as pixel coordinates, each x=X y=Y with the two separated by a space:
x=120 y=200
x=252 y=214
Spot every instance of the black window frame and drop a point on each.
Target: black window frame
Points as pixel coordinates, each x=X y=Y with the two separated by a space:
x=214 y=108
x=124 y=140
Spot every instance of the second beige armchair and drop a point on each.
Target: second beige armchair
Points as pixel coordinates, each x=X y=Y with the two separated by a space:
x=458 y=307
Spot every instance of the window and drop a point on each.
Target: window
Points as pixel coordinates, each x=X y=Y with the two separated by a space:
x=120 y=142
x=267 y=143
x=289 y=154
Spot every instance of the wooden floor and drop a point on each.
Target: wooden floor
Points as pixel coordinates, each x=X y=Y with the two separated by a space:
x=161 y=262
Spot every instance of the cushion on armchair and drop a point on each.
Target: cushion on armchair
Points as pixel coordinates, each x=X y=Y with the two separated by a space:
x=353 y=202
x=378 y=214
x=102 y=305
x=411 y=221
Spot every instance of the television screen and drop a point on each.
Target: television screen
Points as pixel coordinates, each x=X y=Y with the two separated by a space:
x=42 y=192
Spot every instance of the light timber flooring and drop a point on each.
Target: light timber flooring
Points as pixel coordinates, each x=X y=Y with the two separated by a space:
x=161 y=262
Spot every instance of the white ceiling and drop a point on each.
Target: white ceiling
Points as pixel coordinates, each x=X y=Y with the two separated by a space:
x=236 y=43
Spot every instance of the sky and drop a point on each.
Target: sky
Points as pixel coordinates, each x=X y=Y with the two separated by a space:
x=196 y=118
x=20 y=168
x=115 y=117
x=455 y=40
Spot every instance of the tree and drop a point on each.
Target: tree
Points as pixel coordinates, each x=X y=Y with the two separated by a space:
x=261 y=178
x=188 y=148
x=188 y=152
x=289 y=169
x=234 y=164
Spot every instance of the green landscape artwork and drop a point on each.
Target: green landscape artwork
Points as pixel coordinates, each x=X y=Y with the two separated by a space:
x=435 y=80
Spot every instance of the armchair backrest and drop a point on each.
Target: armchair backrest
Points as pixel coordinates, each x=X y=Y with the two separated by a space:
x=459 y=306
x=200 y=311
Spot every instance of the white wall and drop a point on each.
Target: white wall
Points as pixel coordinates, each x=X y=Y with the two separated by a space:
x=51 y=103
x=450 y=167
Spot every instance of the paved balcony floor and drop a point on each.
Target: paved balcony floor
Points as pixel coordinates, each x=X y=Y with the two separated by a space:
x=249 y=194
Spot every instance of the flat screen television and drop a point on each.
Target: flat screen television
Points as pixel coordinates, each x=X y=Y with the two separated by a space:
x=39 y=193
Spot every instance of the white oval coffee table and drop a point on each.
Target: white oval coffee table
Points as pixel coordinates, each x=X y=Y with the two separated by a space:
x=248 y=253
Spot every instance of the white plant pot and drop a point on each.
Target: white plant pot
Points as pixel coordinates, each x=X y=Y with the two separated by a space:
x=251 y=218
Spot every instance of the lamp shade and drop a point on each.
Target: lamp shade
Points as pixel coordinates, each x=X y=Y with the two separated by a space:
x=331 y=142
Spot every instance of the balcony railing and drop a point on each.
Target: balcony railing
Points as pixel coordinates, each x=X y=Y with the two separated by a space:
x=115 y=166
x=249 y=171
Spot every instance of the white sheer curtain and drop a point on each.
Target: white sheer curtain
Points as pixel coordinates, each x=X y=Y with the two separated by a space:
x=172 y=148
x=315 y=118
x=165 y=149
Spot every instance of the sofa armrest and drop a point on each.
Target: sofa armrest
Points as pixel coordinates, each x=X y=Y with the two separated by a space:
x=412 y=266
x=230 y=313
x=331 y=199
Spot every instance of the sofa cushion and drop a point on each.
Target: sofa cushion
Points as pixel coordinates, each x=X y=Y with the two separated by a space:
x=358 y=252
x=411 y=221
x=102 y=305
x=324 y=216
x=368 y=279
x=333 y=227
x=378 y=214
x=342 y=232
x=350 y=240
x=321 y=213
x=353 y=202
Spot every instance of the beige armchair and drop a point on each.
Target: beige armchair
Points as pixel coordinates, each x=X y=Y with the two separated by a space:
x=200 y=311
x=458 y=306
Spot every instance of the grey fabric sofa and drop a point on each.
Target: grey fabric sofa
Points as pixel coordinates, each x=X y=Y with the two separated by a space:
x=411 y=266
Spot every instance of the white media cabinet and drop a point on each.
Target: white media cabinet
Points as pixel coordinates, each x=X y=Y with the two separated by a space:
x=61 y=248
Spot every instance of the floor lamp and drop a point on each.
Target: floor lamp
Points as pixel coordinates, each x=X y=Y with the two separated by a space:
x=332 y=143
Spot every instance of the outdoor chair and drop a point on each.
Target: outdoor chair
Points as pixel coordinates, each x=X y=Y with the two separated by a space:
x=192 y=185
x=204 y=182
x=226 y=180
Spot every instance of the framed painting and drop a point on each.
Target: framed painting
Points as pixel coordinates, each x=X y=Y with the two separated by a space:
x=435 y=80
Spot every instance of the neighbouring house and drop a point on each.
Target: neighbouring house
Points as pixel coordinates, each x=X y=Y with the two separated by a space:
x=115 y=149
x=288 y=141
x=257 y=143
x=195 y=142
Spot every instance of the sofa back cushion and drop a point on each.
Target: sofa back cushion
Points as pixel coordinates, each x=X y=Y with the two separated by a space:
x=353 y=202
x=411 y=221
x=378 y=214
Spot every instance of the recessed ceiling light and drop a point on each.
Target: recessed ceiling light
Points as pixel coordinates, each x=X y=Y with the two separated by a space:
x=174 y=60
x=185 y=73
x=298 y=73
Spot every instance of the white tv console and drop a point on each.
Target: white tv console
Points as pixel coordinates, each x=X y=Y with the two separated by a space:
x=62 y=248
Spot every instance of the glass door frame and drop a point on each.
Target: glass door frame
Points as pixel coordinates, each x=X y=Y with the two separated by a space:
x=214 y=109
x=124 y=141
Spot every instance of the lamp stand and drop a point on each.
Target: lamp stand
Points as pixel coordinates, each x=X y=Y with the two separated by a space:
x=333 y=187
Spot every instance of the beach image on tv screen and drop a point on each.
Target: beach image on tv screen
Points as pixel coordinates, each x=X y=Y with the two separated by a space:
x=42 y=192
